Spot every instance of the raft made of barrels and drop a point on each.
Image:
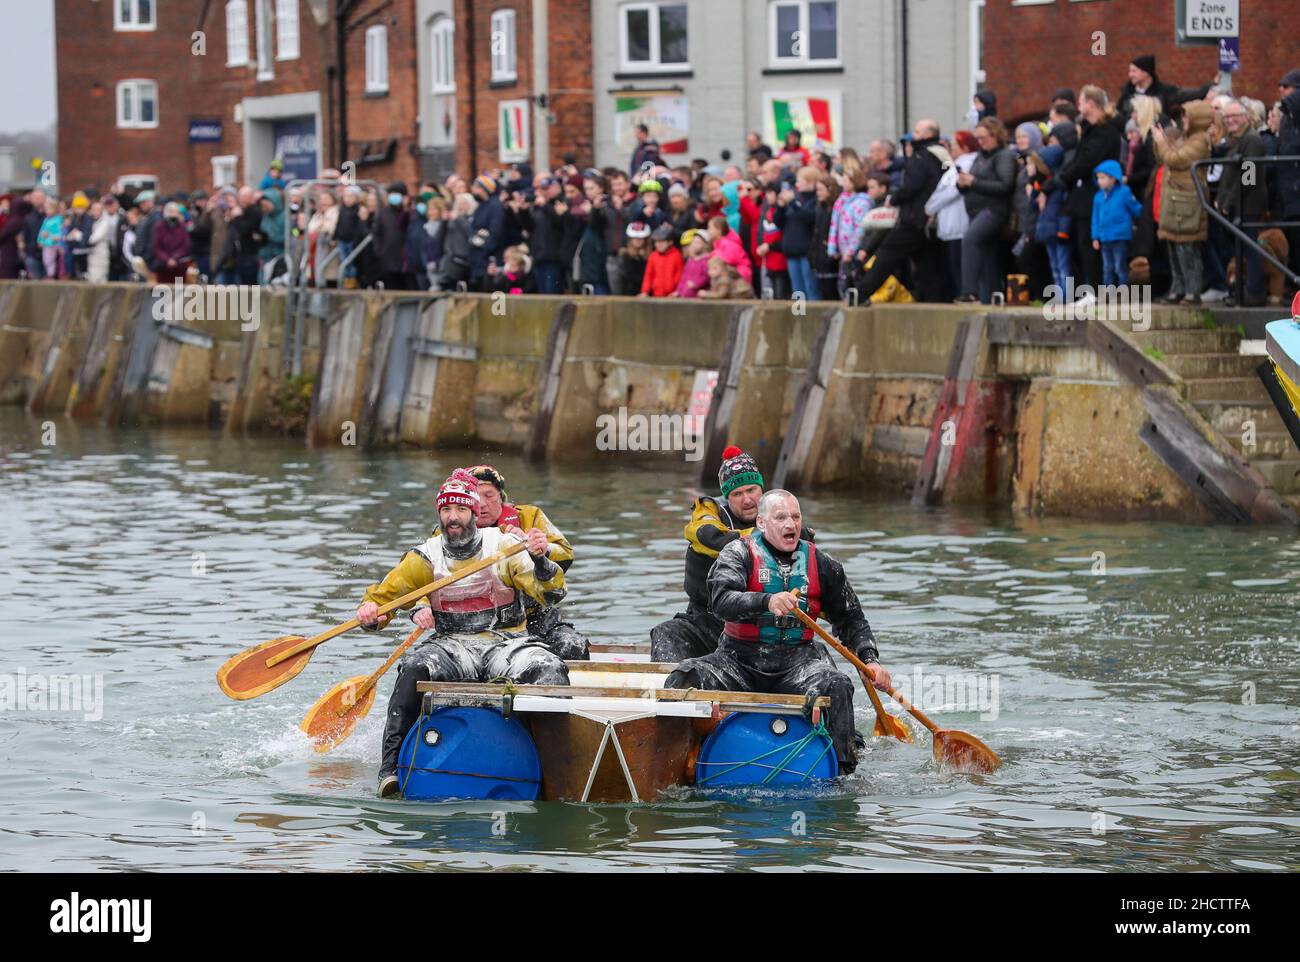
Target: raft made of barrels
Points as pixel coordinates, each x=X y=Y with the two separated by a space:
x=613 y=735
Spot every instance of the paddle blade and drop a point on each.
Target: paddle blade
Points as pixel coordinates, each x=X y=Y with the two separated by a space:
x=333 y=717
x=246 y=676
x=891 y=726
x=963 y=751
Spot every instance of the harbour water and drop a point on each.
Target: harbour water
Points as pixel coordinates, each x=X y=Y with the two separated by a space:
x=1147 y=676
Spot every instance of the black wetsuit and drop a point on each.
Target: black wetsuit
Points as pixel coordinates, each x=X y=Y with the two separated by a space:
x=797 y=669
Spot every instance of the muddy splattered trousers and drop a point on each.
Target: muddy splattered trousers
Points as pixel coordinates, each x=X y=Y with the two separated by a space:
x=565 y=641
x=690 y=634
x=778 y=670
x=465 y=658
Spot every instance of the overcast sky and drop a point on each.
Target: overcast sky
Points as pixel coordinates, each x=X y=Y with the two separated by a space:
x=27 y=65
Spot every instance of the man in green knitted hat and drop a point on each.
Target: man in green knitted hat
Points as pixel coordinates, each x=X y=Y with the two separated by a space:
x=714 y=524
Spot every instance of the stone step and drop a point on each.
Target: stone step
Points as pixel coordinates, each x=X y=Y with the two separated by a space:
x=1246 y=390
x=1268 y=445
x=1182 y=341
x=1229 y=417
x=1195 y=366
x=1284 y=476
x=1179 y=318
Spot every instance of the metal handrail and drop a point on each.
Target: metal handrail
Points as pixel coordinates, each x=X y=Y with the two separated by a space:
x=1240 y=235
x=318 y=270
x=353 y=256
x=266 y=268
x=291 y=355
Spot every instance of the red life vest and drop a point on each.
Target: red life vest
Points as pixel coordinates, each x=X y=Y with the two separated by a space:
x=508 y=516
x=767 y=576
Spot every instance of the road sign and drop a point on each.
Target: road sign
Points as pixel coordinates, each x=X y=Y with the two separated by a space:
x=1213 y=18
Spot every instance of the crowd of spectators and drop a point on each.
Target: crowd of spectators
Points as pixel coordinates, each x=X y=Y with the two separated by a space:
x=1098 y=190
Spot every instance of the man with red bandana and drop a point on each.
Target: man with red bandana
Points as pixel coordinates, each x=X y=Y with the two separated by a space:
x=763 y=647
x=478 y=624
x=496 y=511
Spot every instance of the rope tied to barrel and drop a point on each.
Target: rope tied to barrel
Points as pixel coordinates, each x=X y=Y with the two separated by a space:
x=507 y=683
x=816 y=731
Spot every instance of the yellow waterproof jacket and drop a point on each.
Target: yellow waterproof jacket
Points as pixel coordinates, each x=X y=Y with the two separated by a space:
x=710 y=529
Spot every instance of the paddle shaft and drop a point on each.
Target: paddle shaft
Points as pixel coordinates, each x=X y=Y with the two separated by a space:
x=861 y=666
x=378 y=673
x=914 y=711
x=396 y=603
x=853 y=659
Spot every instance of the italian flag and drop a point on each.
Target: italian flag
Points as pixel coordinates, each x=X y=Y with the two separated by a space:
x=808 y=115
x=513 y=127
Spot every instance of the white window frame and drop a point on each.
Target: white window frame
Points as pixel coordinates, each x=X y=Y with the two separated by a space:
x=804 y=60
x=976 y=32
x=135 y=84
x=265 y=52
x=656 y=50
x=506 y=65
x=442 y=52
x=221 y=161
x=134 y=23
x=143 y=181
x=287 y=42
x=377 y=59
x=237 y=33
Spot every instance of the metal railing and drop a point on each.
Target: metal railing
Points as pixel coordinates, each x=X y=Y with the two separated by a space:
x=299 y=277
x=1238 y=228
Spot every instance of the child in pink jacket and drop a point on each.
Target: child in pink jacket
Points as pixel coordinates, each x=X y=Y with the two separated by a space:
x=695 y=273
x=726 y=244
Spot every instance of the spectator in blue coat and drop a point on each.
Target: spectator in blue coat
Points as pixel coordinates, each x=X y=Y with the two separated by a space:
x=1053 y=227
x=274 y=178
x=1114 y=208
x=486 y=229
x=800 y=206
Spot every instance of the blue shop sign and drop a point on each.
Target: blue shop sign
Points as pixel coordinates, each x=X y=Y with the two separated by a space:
x=205 y=131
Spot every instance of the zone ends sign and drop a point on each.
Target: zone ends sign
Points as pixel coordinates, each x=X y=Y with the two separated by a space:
x=1213 y=18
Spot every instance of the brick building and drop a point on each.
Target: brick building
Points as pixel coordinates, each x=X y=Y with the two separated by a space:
x=188 y=93
x=1032 y=47
x=523 y=82
x=197 y=93
x=440 y=85
x=380 y=70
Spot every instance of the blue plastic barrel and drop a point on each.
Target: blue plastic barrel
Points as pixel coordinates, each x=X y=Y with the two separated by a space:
x=468 y=753
x=749 y=748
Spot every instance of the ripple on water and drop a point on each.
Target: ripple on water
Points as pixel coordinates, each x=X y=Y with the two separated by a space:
x=1120 y=713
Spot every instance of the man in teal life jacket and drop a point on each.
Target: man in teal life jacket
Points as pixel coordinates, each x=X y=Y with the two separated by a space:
x=714 y=524
x=763 y=647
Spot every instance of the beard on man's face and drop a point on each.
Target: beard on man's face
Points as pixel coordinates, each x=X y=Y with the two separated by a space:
x=459 y=534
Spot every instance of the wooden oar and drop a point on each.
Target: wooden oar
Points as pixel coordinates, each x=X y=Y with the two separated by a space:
x=886 y=724
x=267 y=666
x=951 y=747
x=331 y=720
